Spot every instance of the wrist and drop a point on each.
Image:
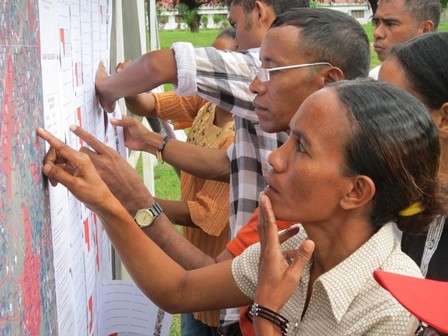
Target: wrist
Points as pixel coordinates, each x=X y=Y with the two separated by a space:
x=161 y=147
x=267 y=314
x=152 y=142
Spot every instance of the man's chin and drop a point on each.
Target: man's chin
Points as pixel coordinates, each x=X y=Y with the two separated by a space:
x=382 y=55
x=270 y=127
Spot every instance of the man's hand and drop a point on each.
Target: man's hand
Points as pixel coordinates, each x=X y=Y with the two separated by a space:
x=124 y=182
x=137 y=136
x=100 y=77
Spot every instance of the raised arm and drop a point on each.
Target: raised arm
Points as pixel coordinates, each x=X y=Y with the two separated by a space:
x=221 y=77
x=168 y=284
x=144 y=74
x=142 y=104
x=279 y=272
x=127 y=186
x=206 y=163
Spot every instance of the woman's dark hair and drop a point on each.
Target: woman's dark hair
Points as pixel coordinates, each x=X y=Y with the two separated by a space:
x=424 y=60
x=394 y=142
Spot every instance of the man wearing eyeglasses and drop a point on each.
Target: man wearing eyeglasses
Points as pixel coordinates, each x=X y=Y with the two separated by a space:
x=304 y=50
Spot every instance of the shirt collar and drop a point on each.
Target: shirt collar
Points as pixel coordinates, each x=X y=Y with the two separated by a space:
x=356 y=269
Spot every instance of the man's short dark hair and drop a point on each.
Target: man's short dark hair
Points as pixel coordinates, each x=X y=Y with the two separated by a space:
x=327 y=35
x=422 y=10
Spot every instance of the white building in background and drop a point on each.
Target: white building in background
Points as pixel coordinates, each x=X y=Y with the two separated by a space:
x=361 y=11
x=169 y=19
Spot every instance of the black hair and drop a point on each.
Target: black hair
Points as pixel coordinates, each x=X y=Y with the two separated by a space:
x=328 y=35
x=424 y=60
x=394 y=142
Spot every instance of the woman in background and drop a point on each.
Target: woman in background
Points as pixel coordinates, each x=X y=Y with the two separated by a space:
x=420 y=67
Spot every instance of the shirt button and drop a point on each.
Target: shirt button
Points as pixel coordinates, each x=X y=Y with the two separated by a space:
x=430 y=244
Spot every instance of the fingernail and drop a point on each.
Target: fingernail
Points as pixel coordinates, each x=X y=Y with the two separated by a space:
x=46 y=169
x=73 y=127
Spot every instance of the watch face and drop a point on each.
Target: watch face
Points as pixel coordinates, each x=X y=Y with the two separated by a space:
x=144 y=217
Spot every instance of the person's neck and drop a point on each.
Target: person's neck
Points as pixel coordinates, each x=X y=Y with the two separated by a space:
x=222 y=117
x=335 y=245
x=443 y=169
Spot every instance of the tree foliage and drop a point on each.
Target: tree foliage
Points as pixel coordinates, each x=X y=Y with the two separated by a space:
x=190 y=16
x=188 y=10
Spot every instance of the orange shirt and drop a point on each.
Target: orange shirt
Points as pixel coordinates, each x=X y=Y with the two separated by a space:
x=248 y=234
x=207 y=200
x=245 y=237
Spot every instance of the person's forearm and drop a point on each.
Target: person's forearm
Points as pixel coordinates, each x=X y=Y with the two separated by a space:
x=207 y=163
x=164 y=281
x=177 y=212
x=139 y=254
x=142 y=105
x=165 y=235
x=144 y=74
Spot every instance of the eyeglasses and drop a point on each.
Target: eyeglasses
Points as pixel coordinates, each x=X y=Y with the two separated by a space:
x=263 y=73
x=424 y=330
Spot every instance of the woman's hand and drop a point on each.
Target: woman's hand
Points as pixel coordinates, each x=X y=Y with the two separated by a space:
x=137 y=136
x=76 y=172
x=278 y=272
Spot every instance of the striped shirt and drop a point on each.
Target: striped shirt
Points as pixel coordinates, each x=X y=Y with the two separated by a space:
x=223 y=78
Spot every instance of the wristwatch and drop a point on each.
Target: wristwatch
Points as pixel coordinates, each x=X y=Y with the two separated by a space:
x=145 y=217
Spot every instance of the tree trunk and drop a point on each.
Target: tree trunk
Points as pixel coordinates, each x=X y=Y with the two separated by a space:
x=373 y=5
x=194 y=26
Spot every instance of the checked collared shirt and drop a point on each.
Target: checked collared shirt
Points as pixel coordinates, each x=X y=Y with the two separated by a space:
x=223 y=78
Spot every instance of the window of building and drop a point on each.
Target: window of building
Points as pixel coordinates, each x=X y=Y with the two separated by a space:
x=358 y=14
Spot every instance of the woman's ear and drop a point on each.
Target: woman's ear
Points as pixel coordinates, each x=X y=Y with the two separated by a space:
x=440 y=118
x=362 y=191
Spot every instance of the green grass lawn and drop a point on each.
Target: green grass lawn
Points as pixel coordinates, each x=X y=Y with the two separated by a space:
x=206 y=37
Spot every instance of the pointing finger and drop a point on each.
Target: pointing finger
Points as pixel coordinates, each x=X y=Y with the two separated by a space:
x=88 y=138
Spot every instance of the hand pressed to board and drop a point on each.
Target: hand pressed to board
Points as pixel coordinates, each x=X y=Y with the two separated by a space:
x=101 y=75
